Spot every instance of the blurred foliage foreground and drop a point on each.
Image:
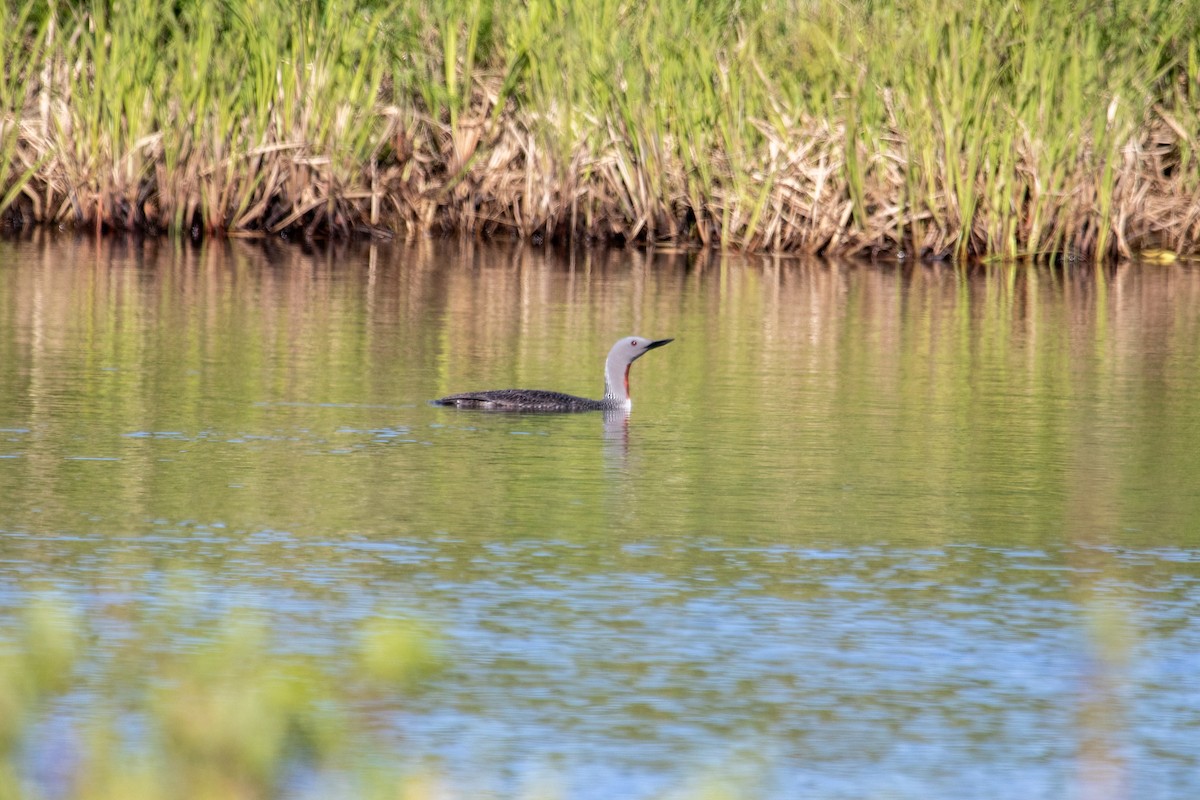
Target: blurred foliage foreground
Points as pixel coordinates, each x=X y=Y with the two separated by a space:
x=943 y=128
x=225 y=712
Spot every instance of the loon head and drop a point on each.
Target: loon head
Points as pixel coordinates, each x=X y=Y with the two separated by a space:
x=616 y=368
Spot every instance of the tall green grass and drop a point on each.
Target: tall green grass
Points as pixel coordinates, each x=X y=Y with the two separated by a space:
x=942 y=128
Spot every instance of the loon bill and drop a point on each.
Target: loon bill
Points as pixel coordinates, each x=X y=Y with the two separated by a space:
x=616 y=387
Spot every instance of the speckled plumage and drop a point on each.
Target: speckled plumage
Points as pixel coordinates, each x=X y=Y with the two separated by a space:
x=521 y=400
x=616 y=387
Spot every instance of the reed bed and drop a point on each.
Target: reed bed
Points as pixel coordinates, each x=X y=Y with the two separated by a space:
x=938 y=129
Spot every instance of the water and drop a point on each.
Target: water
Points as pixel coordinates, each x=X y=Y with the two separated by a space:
x=869 y=532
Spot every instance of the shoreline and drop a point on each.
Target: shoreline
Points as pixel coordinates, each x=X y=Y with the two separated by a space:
x=338 y=120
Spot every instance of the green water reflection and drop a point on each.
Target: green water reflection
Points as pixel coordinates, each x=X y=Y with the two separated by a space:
x=860 y=515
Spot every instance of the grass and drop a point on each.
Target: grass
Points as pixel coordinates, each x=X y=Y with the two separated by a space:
x=226 y=712
x=941 y=129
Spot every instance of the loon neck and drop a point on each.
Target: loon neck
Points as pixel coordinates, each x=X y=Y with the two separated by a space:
x=616 y=385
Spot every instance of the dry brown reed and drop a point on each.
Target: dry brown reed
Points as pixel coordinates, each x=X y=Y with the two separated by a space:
x=335 y=119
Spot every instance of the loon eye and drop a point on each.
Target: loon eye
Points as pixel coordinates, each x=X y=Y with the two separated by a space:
x=633 y=343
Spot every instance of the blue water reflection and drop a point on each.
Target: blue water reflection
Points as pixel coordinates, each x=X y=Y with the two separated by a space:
x=868 y=531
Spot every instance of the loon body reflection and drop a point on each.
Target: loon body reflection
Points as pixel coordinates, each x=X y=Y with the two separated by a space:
x=616 y=387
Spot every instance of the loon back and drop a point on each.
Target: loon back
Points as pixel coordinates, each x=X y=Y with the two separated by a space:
x=616 y=386
x=520 y=400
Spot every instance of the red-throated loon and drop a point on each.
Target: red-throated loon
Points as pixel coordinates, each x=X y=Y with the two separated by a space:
x=616 y=387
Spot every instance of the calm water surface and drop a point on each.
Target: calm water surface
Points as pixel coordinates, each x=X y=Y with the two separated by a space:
x=869 y=531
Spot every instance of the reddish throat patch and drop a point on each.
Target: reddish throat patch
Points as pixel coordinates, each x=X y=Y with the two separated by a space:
x=627 y=366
